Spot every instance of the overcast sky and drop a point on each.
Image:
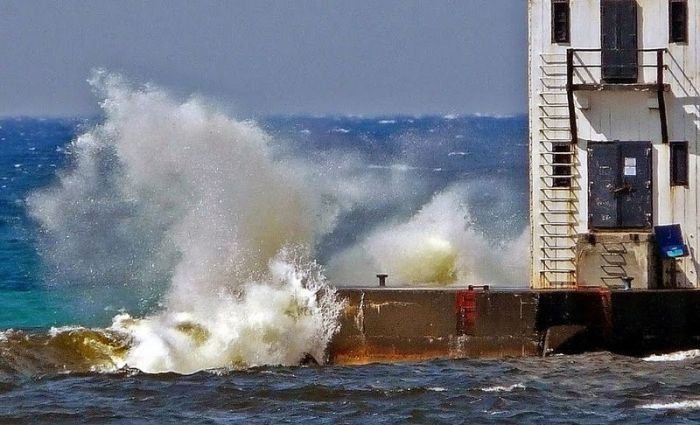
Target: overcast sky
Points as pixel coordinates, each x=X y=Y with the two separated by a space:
x=259 y=57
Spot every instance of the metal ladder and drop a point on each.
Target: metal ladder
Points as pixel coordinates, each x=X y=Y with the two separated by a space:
x=558 y=203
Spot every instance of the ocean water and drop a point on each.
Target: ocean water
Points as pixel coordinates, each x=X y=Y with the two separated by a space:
x=166 y=262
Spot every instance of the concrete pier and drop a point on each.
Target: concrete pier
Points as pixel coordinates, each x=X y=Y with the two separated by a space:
x=407 y=324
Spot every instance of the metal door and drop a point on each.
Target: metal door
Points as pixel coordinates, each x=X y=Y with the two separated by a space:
x=619 y=185
x=619 y=41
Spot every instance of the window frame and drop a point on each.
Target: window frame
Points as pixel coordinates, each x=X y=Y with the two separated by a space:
x=554 y=34
x=678 y=147
x=671 y=32
x=562 y=171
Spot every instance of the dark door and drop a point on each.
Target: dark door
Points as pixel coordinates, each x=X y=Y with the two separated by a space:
x=619 y=185
x=619 y=41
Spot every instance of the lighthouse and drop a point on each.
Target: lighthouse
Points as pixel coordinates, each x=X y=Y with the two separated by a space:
x=613 y=133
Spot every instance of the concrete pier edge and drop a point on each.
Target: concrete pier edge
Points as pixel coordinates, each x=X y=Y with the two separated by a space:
x=416 y=324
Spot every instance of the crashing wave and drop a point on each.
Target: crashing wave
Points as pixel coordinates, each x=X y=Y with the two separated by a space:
x=178 y=189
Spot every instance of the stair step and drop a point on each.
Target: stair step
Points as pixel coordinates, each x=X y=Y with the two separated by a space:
x=555 y=248
x=558 y=164
x=547 y=153
x=559 y=284
x=555 y=261
x=557 y=189
x=559 y=128
x=560 y=141
x=558 y=201
x=548 y=123
x=552 y=135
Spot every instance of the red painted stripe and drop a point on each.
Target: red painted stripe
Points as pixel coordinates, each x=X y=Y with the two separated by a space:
x=465 y=307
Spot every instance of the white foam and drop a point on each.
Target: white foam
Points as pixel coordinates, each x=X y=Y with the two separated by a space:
x=437 y=389
x=191 y=193
x=54 y=331
x=673 y=357
x=341 y=130
x=4 y=334
x=437 y=246
x=276 y=322
x=500 y=388
x=386 y=121
x=676 y=405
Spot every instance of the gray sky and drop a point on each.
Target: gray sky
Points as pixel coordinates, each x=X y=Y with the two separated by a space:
x=257 y=57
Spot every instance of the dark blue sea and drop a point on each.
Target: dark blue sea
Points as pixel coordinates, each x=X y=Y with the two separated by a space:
x=120 y=216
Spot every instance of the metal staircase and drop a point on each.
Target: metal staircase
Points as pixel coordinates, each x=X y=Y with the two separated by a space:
x=558 y=170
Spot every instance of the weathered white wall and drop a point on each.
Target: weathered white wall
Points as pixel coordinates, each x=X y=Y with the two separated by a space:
x=618 y=115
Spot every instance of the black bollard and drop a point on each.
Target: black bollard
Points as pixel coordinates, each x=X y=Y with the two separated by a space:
x=627 y=280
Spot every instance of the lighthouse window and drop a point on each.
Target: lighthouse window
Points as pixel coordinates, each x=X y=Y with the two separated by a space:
x=561 y=167
x=678 y=21
x=679 y=163
x=560 y=21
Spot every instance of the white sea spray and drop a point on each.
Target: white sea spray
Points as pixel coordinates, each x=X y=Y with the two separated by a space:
x=172 y=188
x=437 y=245
x=193 y=214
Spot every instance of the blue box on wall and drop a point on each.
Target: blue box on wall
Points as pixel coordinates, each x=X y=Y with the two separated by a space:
x=669 y=241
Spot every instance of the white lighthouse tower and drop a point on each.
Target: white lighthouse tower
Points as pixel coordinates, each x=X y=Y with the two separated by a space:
x=614 y=88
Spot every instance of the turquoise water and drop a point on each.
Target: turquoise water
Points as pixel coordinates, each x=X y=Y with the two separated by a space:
x=31 y=155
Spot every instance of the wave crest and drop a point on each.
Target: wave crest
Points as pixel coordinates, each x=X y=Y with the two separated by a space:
x=177 y=192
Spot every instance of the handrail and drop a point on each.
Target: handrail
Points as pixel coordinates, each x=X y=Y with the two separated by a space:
x=570 y=95
x=659 y=86
x=588 y=49
x=572 y=64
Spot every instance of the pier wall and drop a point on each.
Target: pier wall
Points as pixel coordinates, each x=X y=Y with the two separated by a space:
x=398 y=324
